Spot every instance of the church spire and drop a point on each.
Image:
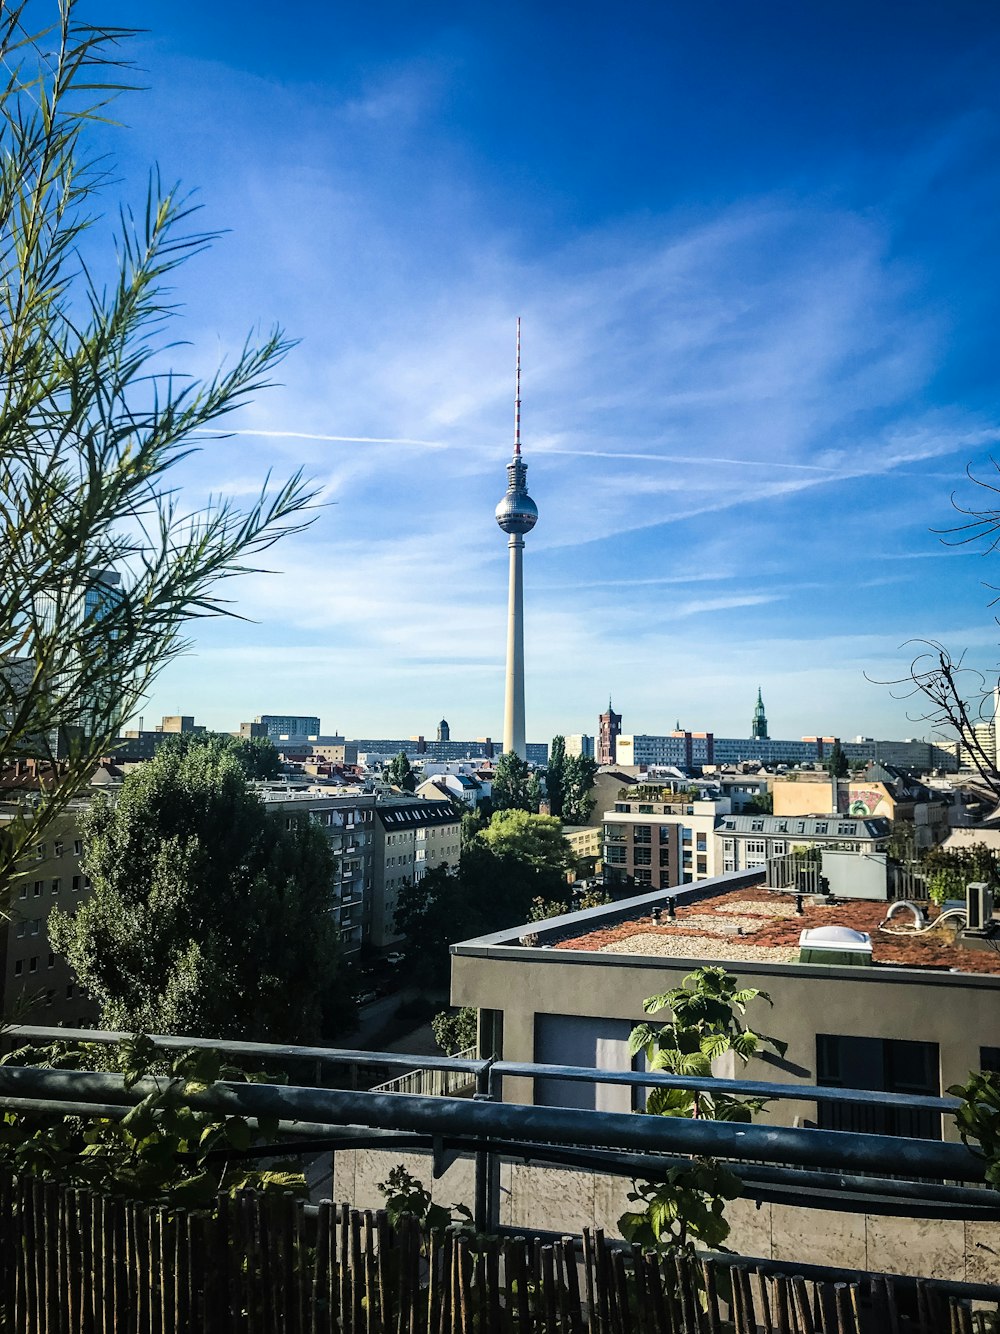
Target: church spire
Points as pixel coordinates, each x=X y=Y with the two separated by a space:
x=758 y=728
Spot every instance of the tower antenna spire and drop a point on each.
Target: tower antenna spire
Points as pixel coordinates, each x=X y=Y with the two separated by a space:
x=517 y=394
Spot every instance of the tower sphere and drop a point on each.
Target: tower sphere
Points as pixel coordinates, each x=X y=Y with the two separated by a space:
x=517 y=512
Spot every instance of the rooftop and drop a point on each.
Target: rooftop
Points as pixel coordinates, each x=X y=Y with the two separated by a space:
x=759 y=925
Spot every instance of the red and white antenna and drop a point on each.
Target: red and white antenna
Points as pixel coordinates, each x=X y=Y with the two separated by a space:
x=517 y=395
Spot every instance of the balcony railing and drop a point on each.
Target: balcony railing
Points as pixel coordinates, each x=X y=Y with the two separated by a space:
x=868 y=1174
x=434 y=1083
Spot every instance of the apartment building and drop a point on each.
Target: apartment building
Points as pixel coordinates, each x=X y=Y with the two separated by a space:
x=748 y=841
x=413 y=835
x=349 y=824
x=693 y=750
x=38 y=985
x=659 y=843
x=906 y=1012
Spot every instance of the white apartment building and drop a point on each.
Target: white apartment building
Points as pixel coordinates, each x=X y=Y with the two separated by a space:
x=413 y=835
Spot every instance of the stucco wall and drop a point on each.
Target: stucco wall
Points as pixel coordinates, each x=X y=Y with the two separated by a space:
x=960 y=1012
x=564 y=1201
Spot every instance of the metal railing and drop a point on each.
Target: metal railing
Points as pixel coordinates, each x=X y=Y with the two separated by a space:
x=870 y=1173
x=433 y=1083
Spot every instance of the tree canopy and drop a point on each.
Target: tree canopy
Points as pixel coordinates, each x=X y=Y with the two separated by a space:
x=207 y=916
x=535 y=839
x=400 y=773
x=554 y=784
x=257 y=756
x=511 y=784
x=578 y=774
x=104 y=564
x=488 y=891
x=837 y=765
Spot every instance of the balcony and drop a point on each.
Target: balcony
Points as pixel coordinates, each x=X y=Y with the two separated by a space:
x=73 y=1261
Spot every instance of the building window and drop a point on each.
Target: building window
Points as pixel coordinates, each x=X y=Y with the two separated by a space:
x=57 y=849
x=665 y=833
x=664 y=856
x=21 y=929
x=40 y=852
x=18 y=967
x=703 y=866
x=822 y=827
x=614 y=855
x=643 y=876
x=24 y=891
x=52 y=961
x=76 y=884
x=702 y=843
x=33 y=964
x=39 y=886
x=885 y=1064
x=643 y=857
x=642 y=833
x=757 y=826
x=614 y=833
x=645 y=810
x=56 y=885
x=78 y=847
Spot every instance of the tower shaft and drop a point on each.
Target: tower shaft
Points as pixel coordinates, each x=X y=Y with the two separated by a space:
x=513 y=713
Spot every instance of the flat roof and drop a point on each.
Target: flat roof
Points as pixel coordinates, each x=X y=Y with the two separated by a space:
x=758 y=925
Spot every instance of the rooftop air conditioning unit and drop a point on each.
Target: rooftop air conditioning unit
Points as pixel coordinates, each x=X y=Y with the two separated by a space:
x=978 y=905
x=835 y=945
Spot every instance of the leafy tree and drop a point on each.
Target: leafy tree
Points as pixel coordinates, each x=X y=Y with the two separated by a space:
x=472 y=822
x=511 y=778
x=488 y=891
x=579 y=773
x=535 y=839
x=705 y=1023
x=456 y=1030
x=978 y=1119
x=92 y=420
x=837 y=765
x=256 y=756
x=207 y=915
x=950 y=870
x=163 y=1150
x=554 y=778
x=763 y=802
x=542 y=909
x=535 y=793
x=400 y=773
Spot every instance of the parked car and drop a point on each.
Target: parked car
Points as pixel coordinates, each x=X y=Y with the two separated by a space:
x=395 y=959
x=365 y=997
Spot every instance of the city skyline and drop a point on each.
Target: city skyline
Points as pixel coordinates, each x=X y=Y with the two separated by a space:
x=756 y=263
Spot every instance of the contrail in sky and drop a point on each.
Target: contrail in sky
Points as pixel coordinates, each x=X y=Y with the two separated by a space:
x=343 y=439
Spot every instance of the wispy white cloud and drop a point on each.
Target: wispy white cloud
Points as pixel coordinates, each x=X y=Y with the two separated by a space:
x=735 y=396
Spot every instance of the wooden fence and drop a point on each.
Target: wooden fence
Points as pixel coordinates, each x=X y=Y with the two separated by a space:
x=75 y=1263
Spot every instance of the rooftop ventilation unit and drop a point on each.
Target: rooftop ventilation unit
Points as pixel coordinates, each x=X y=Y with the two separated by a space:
x=835 y=945
x=978 y=905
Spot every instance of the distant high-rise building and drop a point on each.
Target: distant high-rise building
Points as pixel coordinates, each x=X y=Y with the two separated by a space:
x=516 y=514
x=79 y=616
x=444 y=731
x=610 y=730
x=288 y=724
x=580 y=744
x=758 y=728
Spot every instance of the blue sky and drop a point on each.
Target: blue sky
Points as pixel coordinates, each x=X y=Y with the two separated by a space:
x=753 y=249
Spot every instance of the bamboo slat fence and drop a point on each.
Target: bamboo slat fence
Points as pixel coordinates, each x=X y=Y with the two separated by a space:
x=76 y=1263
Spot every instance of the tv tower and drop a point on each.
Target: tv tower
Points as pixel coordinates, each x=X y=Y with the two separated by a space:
x=516 y=514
